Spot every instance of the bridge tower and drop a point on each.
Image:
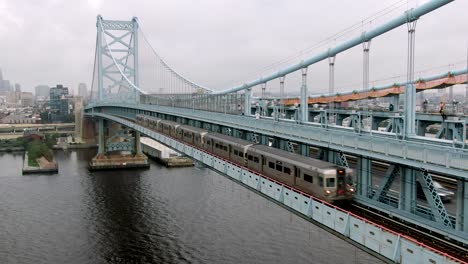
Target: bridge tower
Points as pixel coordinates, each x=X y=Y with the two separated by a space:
x=117 y=60
x=117 y=76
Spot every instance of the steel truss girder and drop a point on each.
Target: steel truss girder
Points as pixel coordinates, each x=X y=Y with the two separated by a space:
x=433 y=198
x=343 y=160
x=128 y=145
x=434 y=156
x=387 y=182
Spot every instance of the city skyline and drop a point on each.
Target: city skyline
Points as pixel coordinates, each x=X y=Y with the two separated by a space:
x=194 y=37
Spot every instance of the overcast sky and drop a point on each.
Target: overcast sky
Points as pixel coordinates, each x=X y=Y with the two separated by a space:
x=219 y=43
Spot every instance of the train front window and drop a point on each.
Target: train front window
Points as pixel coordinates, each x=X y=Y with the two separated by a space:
x=330 y=182
x=341 y=182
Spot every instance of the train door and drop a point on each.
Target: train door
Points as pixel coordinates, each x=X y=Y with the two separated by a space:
x=297 y=173
x=341 y=182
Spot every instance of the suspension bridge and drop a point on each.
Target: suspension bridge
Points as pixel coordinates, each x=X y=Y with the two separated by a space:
x=342 y=128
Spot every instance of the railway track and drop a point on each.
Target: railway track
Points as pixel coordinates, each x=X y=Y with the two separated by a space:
x=424 y=236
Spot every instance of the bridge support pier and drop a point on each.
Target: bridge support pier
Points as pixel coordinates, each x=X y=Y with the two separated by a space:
x=305 y=150
x=462 y=206
x=113 y=151
x=407 y=197
x=364 y=177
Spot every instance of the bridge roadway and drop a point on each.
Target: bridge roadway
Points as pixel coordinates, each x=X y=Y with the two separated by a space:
x=438 y=156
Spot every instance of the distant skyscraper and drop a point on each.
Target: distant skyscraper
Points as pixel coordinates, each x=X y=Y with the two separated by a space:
x=42 y=90
x=82 y=90
x=1 y=75
x=17 y=88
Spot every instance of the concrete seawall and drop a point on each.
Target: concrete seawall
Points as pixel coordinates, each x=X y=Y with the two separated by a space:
x=163 y=154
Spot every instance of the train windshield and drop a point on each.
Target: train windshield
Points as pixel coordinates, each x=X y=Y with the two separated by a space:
x=341 y=182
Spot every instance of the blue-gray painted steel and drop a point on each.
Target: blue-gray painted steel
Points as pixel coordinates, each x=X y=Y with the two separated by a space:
x=434 y=155
x=408 y=16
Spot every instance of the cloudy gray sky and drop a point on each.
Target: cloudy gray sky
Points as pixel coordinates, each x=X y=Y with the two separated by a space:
x=219 y=43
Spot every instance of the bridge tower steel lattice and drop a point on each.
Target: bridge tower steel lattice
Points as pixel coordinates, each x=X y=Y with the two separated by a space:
x=117 y=60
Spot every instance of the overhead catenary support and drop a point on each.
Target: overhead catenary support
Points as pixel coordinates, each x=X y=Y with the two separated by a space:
x=410 y=89
x=281 y=79
x=304 y=97
x=247 y=102
x=263 y=90
x=331 y=86
x=365 y=70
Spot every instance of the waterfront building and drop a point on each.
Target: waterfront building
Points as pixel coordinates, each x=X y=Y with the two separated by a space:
x=59 y=104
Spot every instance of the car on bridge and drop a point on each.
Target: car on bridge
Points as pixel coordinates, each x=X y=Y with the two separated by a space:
x=445 y=194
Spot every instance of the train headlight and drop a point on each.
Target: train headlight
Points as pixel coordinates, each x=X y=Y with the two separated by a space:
x=351 y=189
x=327 y=192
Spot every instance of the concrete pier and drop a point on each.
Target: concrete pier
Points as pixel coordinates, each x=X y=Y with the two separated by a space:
x=118 y=161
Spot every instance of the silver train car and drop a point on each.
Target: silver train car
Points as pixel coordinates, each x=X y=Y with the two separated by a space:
x=324 y=180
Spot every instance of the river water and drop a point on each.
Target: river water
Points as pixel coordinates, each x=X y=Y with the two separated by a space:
x=159 y=215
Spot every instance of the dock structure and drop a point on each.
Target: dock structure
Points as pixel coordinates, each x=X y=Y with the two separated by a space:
x=118 y=161
x=163 y=154
x=49 y=167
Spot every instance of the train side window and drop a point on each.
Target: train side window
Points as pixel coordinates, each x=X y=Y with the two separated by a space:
x=216 y=145
x=241 y=154
x=279 y=167
x=320 y=181
x=271 y=165
x=308 y=178
x=236 y=152
x=225 y=148
x=287 y=170
x=330 y=182
x=256 y=160
x=250 y=157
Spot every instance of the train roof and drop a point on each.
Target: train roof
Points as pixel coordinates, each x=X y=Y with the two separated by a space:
x=149 y=117
x=168 y=122
x=193 y=129
x=294 y=158
x=229 y=139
